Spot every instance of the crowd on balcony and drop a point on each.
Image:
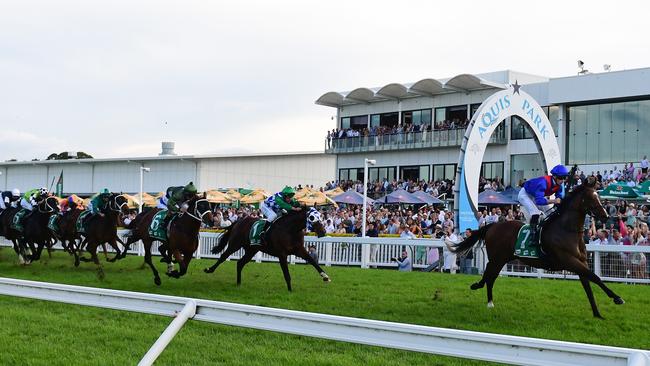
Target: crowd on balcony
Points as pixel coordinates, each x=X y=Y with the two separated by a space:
x=403 y=129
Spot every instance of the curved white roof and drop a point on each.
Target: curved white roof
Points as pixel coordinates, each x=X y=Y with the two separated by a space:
x=427 y=87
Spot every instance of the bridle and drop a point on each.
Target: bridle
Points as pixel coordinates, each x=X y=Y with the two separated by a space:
x=198 y=216
x=47 y=205
x=119 y=206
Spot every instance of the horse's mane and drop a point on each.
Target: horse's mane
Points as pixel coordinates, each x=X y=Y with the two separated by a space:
x=567 y=201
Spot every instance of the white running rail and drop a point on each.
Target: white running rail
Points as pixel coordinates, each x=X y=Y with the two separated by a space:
x=448 y=342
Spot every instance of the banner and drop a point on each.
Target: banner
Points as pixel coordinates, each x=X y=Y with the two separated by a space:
x=59 y=186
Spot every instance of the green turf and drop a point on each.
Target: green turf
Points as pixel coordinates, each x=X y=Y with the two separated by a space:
x=552 y=309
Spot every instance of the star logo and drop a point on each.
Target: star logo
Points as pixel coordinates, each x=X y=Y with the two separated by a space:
x=516 y=87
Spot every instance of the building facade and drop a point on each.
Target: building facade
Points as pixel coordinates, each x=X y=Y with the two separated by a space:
x=86 y=176
x=415 y=130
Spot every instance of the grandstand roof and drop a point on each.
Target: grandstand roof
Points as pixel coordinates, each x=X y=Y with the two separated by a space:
x=425 y=87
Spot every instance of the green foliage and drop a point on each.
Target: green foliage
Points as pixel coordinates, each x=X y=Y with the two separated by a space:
x=65 y=156
x=36 y=332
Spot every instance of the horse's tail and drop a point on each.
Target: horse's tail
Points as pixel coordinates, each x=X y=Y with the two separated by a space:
x=468 y=243
x=223 y=241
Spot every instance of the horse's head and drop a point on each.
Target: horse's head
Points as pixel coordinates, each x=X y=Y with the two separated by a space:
x=591 y=202
x=314 y=221
x=584 y=199
x=199 y=208
x=119 y=203
x=49 y=205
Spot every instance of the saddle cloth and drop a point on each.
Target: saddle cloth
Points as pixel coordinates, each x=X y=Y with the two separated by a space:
x=79 y=224
x=524 y=247
x=53 y=223
x=156 y=229
x=256 y=232
x=17 y=221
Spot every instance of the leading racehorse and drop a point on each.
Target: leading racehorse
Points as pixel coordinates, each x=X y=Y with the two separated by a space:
x=561 y=241
x=285 y=237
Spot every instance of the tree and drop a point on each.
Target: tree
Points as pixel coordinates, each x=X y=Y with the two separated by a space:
x=65 y=156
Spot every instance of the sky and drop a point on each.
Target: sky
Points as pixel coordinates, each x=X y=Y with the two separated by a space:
x=114 y=79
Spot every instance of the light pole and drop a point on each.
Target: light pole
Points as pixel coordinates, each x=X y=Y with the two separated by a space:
x=366 y=162
x=142 y=170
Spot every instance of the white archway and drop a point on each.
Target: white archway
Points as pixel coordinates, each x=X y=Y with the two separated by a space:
x=494 y=110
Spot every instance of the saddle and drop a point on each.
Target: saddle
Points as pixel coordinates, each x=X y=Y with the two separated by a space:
x=525 y=246
x=81 y=221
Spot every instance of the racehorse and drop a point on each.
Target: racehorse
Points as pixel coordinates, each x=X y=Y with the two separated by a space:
x=101 y=229
x=285 y=237
x=35 y=229
x=561 y=242
x=182 y=236
x=67 y=233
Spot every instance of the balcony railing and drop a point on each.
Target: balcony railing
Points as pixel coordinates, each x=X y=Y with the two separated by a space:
x=405 y=141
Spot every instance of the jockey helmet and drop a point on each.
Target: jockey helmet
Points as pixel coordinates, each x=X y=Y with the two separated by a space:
x=71 y=200
x=104 y=192
x=43 y=191
x=15 y=192
x=190 y=188
x=288 y=192
x=560 y=171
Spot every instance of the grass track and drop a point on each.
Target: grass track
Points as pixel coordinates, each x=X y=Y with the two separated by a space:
x=552 y=309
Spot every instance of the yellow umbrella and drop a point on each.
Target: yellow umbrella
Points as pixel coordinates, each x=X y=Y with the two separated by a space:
x=215 y=196
x=233 y=194
x=316 y=198
x=254 y=197
x=334 y=192
x=303 y=192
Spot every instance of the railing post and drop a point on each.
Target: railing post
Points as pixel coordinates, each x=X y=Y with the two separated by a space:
x=328 y=254
x=183 y=316
x=597 y=267
x=197 y=254
x=365 y=255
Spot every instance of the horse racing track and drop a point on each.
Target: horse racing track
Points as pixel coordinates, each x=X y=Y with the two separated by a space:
x=39 y=332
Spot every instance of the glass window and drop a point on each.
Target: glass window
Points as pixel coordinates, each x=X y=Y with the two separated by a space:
x=345 y=122
x=444 y=171
x=418 y=117
x=608 y=133
x=472 y=109
x=373 y=174
x=525 y=167
x=374 y=120
x=383 y=174
x=491 y=170
x=391 y=174
x=441 y=114
x=426 y=116
x=343 y=174
x=424 y=172
x=353 y=174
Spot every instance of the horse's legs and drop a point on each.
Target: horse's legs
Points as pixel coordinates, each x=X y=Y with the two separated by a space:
x=285 y=271
x=118 y=254
x=179 y=259
x=105 y=251
x=580 y=268
x=302 y=253
x=147 y=259
x=164 y=254
x=92 y=249
x=222 y=258
x=248 y=255
x=489 y=276
x=590 y=295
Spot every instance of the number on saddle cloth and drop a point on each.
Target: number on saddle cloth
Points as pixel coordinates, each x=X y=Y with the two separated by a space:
x=524 y=247
x=255 y=234
x=157 y=229
x=17 y=221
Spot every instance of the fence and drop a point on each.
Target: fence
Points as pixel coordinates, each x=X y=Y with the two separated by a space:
x=449 y=342
x=611 y=262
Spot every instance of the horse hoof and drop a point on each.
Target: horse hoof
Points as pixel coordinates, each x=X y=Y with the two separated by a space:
x=619 y=301
x=476 y=286
x=156 y=281
x=490 y=305
x=208 y=270
x=326 y=279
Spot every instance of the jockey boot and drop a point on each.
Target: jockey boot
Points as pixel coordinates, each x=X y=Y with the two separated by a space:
x=534 y=230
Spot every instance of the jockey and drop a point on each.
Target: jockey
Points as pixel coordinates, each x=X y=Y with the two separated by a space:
x=175 y=197
x=98 y=202
x=174 y=200
x=534 y=193
x=9 y=199
x=274 y=206
x=67 y=205
x=33 y=198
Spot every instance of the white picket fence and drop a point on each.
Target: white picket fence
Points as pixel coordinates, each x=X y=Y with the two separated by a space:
x=613 y=263
x=448 y=342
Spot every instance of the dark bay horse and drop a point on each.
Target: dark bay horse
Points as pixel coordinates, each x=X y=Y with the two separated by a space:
x=561 y=240
x=35 y=230
x=67 y=233
x=285 y=237
x=182 y=236
x=101 y=229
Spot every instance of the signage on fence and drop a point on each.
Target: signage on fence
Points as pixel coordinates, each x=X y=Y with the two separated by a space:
x=512 y=101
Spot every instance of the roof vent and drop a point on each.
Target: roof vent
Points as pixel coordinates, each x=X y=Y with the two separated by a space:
x=167 y=149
